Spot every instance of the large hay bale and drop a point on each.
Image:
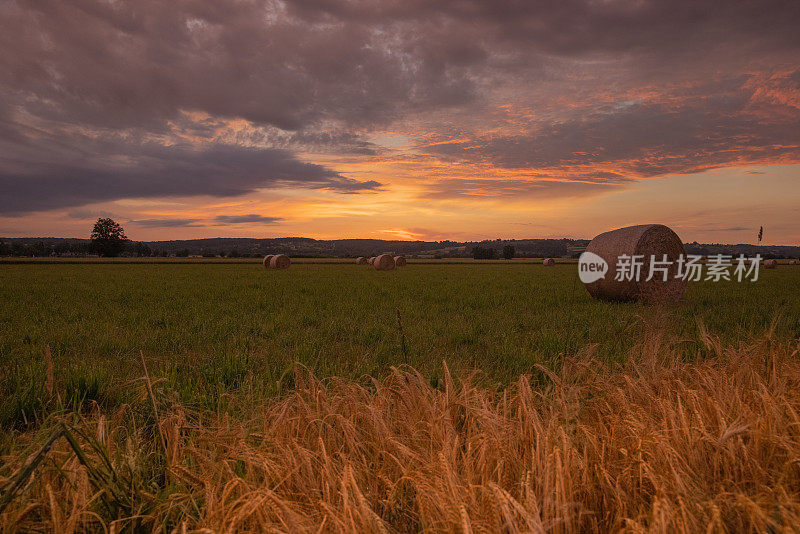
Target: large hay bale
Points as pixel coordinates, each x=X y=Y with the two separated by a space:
x=384 y=262
x=548 y=262
x=400 y=261
x=361 y=260
x=646 y=240
x=280 y=261
x=267 y=260
x=770 y=264
x=372 y=260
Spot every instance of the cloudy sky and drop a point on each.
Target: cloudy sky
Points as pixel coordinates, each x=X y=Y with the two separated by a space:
x=411 y=119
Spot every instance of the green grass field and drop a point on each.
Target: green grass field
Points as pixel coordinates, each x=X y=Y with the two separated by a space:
x=215 y=331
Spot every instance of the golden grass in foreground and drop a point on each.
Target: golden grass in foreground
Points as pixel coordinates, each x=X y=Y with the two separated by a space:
x=656 y=445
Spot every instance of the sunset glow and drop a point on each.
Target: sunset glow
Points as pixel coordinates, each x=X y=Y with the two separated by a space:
x=406 y=120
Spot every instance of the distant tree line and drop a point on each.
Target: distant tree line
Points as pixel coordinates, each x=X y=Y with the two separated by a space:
x=491 y=253
x=131 y=249
x=544 y=248
x=41 y=249
x=109 y=239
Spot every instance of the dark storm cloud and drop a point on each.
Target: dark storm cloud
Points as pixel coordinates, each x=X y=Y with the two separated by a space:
x=646 y=139
x=97 y=97
x=45 y=173
x=194 y=223
x=657 y=36
x=139 y=63
x=252 y=218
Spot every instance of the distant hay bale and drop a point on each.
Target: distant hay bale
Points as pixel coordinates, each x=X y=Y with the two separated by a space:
x=400 y=261
x=372 y=260
x=770 y=264
x=646 y=240
x=384 y=262
x=548 y=262
x=267 y=260
x=792 y=262
x=361 y=260
x=280 y=261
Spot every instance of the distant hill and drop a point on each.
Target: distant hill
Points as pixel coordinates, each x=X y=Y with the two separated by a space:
x=307 y=247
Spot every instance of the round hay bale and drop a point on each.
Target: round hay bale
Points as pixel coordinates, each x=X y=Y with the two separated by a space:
x=792 y=262
x=267 y=259
x=770 y=264
x=280 y=261
x=646 y=240
x=400 y=261
x=548 y=262
x=384 y=262
x=361 y=260
x=372 y=260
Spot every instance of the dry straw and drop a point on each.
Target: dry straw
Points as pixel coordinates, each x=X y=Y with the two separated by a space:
x=267 y=260
x=372 y=260
x=361 y=260
x=657 y=444
x=280 y=261
x=548 y=262
x=646 y=240
x=384 y=262
x=400 y=261
x=770 y=264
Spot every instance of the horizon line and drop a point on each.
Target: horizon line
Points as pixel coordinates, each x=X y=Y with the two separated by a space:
x=395 y=240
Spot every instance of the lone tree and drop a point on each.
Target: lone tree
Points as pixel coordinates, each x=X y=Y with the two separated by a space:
x=508 y=252
x=108 y=238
